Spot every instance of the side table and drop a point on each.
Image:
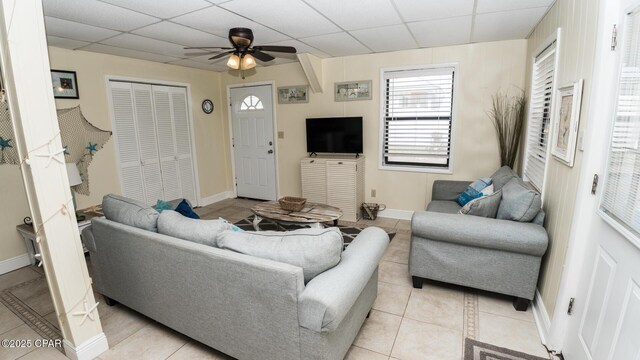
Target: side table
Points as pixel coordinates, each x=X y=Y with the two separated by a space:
x=29 y=235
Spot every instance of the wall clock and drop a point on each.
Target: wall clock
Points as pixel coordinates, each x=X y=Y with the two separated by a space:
x=207 y=106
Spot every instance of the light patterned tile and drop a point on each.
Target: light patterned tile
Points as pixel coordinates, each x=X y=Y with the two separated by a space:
x=121 y=324
x=17 y=276
x=394 y=273
x=421 y=341
x=47 y=353
x=398 y=251
x=392 y=298
x=151 y=342
x=510 y=333
x=37 y=296
x=498 y=304
x=437 y=305
x=378 y=332
x=357 y=353
x=8 y=320
x=22 y=332
x=194 y=350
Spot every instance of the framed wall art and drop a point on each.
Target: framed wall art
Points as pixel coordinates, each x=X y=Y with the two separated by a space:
x=353 y=90
x=293 y=94
x=65 y=84
x=566 y=120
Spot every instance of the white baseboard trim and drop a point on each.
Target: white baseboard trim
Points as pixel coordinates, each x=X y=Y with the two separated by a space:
x=541 y=316
x=15 y=263
x=215 y=198
x=88 y=350
x=396 y=214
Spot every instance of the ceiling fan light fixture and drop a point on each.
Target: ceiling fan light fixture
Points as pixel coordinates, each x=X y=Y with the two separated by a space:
x=234 y=61
x=248 y=62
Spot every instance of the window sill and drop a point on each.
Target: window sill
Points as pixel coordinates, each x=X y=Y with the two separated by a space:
x=420 y=169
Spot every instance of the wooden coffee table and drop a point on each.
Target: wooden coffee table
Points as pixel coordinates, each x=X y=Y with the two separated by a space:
x=312 y=215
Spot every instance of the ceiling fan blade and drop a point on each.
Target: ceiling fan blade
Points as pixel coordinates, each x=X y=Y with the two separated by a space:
x=274 y=48
x=221 y=55
x=262 y=56
x=206 y=47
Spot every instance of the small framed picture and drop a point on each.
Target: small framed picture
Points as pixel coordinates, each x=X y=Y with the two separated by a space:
x=353 y=90
x=293 y=94
x=566 y=121
x=65 y=85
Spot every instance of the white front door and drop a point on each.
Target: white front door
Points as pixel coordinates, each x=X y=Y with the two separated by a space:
x=605 y=323
x=253 y=143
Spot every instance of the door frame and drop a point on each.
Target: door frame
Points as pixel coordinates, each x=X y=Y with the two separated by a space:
x=129 y=79
x=275 y=131
x=596 y=151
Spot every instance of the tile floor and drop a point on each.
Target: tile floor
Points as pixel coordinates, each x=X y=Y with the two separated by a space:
x=405 y=323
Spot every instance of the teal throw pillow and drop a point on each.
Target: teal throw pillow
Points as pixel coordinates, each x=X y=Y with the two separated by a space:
x=162 y=205
x=473 y=191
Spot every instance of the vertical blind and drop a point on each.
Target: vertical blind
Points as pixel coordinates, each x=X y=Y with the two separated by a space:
x=621 y=199
x=417 y=117
x=539 y=123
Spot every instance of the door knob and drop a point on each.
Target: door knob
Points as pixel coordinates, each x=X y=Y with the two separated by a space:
x=270 y=151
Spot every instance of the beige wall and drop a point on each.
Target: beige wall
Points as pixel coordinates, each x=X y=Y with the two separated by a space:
x=483 y=69
x=210 y=132
x=577 y=19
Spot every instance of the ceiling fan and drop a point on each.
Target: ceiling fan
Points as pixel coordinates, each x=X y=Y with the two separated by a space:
x=243 y=55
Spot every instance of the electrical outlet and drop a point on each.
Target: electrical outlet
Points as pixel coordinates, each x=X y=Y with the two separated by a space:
x=373 y=192
x=280 y=134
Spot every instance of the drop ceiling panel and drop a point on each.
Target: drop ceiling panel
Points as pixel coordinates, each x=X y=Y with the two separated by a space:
x=442 y=32
x=180 y=34
x=92 y=12
x=218 y=21
x=65 y=43
x=506 y=25
x=162 y=9
x=357 y=14
x=294 y=18
x=417 y=10
x=487 y=6
x=388 y=38
x=204 y=59
x=302 y=48
x=200 y=65
x=338 y=44
x=76 y=31
x=135 y=42
x=106 y=49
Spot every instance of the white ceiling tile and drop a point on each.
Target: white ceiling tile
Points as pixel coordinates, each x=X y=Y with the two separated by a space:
x=486 y=6
x=292 y=17
x=442 y=32
x=113 y=50
x=388 y=38
x=417 y=10
x=161 y=9
x=218 y=21
x=302 y=48
x=135 y=42
x=180 y=34
x=358 y=14
x=338 y=44
x=506 y=25
x=76 y=31
x=204 y=59
x=199 y=65
x=96 y=13
x=65 y=43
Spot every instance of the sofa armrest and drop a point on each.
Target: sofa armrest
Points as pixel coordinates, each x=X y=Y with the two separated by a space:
x=448 y=189
x=476 y=231
x=329 y=296
x=88 y=240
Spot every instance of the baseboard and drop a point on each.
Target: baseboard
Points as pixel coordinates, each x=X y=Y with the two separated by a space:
x=396 y=214
x=541 y=316
x=15 y=263
x=88 y=350
x=215 y=198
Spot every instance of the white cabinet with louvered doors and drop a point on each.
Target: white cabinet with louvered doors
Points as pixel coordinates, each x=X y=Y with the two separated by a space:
x=337 y=182
x=153 y=141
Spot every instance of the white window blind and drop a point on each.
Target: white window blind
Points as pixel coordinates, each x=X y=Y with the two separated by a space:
x=539 y=122
x=621 y=199
x=418 y=117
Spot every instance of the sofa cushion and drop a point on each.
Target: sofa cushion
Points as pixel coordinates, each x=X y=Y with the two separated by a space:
x=314 y=250
x=519 y=202
x=485 y=206
x=204 y=232
x=444 y=206
x=473 y=191
x=130 y=212
x=502 y=176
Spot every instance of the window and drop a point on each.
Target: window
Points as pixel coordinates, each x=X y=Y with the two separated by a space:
x=251 y=102
x=539 y=122
x=621 y=197
x=417 y=118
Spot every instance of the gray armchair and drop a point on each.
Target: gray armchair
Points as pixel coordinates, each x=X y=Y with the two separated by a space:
x=497 y=255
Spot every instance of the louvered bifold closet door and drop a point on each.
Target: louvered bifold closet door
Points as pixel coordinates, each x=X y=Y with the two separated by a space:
x=148 y=143
x=183 y=143
x=125 y=128
x=166 y=142
x=341 y=182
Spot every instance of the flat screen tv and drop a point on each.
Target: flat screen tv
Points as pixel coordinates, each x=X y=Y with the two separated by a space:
x=334 y=135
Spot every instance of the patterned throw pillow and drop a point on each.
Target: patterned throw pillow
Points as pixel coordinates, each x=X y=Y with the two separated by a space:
x=473 y=191
x=485 y=206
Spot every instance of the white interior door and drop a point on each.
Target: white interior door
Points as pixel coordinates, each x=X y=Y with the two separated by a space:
x=253 y=143
x=606 y=319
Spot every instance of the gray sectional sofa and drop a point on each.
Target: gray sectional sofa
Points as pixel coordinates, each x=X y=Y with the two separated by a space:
x=245 y=306
x=498 y=255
